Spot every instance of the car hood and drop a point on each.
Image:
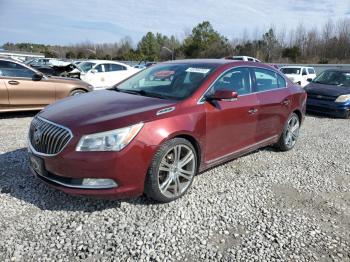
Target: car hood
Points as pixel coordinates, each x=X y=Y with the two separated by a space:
x=327 y=90
x=103 y=110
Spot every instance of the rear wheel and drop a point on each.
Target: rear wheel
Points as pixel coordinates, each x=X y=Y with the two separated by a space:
x=290 y=133
x=172 y=170
x=77 y=92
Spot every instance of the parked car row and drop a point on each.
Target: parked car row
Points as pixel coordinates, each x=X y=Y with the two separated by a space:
x=154 y=131
x=24 y=88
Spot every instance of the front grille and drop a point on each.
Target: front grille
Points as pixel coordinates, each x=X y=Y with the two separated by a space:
x=321 y=97
x=48 y=138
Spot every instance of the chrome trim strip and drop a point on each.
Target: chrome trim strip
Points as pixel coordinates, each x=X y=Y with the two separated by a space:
x=200 y=102
x=165 y=110
x=52 y=123
x=73 y=186
x=257 y=144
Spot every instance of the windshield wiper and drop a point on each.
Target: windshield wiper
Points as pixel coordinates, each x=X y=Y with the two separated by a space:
x=142 y=93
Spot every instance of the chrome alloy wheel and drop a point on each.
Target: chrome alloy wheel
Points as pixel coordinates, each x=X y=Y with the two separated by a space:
x=176 y=171
x=292 y=131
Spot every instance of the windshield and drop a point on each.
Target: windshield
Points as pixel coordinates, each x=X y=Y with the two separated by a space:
x=337 y=78
x=291 y=70
x=86 y=66
x=168 y=81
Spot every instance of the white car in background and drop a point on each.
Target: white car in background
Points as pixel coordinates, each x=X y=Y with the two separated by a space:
x=102 y=74
x=299 y=74
x=243 y=58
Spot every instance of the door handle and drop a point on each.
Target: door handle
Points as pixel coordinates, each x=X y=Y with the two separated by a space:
x=252 y=111
x=13 y=82
x=286 y=102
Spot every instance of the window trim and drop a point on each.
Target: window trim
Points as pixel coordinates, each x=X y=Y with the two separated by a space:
x=21 y=77
x=201 y=100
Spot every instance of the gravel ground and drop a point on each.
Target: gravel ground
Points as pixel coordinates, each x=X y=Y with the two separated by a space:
x=266 y=206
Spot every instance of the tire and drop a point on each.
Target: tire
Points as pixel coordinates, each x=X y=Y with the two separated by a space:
x=290 y=133
x=77 y=92
x=167 y=180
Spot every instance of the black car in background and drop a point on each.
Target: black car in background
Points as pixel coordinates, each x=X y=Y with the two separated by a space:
x=329 y=93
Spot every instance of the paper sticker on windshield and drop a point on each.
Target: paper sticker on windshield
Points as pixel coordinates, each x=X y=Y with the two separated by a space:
x=197 y=70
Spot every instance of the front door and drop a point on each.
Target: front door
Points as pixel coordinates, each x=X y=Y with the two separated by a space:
x=231 y=124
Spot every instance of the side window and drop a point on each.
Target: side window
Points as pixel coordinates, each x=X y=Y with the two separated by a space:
x=237 y=79
x=304 y=73
x=115 y=67
x=250 y=59
x=99 y=68
x=311 y=71
x=11 y=69
x=265 y=79
x=281 y=81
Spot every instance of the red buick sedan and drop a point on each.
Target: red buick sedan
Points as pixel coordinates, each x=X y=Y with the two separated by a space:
x=152 y=134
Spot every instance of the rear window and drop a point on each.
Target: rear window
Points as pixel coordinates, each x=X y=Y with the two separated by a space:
x=265 y=79
x=291 y=70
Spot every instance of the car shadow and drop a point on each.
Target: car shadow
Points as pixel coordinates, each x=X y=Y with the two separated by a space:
x=21 y=114
x=17 y=180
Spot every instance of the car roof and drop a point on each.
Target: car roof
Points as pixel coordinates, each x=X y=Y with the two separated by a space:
x=338 y=70
x=296 y=66
x=103 y=62
x=203 y=61
x=221 y=62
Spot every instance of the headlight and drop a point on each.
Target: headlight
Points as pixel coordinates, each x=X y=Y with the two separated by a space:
x=114 y=140
x=342 y=98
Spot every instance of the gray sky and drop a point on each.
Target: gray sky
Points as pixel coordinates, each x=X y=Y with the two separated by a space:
x=74 y=21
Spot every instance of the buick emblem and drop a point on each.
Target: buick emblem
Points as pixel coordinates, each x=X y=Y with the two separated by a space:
x=37 y=135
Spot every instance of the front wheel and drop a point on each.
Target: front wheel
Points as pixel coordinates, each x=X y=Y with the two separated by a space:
x=290 y=133
x=172 y=170
x=77 y=92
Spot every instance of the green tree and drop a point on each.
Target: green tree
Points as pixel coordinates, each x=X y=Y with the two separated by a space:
x=81 y=55
x=291 y=52
x=204 y=41
x=271 y=45
x=70 y=55
x=149 y=47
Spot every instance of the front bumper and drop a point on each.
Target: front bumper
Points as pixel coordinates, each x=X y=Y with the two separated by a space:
x=126 y=168
x=330 y=108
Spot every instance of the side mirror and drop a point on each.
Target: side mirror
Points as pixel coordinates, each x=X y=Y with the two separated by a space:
x=37 y=77
x=223 y=95
x=309 y=80
x=94 y=71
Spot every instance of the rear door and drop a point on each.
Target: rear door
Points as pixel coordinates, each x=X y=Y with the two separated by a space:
x=274 y=103
x=22 y=90
x=4 y=96
x=231 y=124
x=115 y=73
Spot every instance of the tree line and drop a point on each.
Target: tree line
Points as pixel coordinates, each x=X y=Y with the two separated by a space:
x=328 y=44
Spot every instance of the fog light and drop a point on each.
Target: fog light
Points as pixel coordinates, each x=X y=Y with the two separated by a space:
x=99 y=183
